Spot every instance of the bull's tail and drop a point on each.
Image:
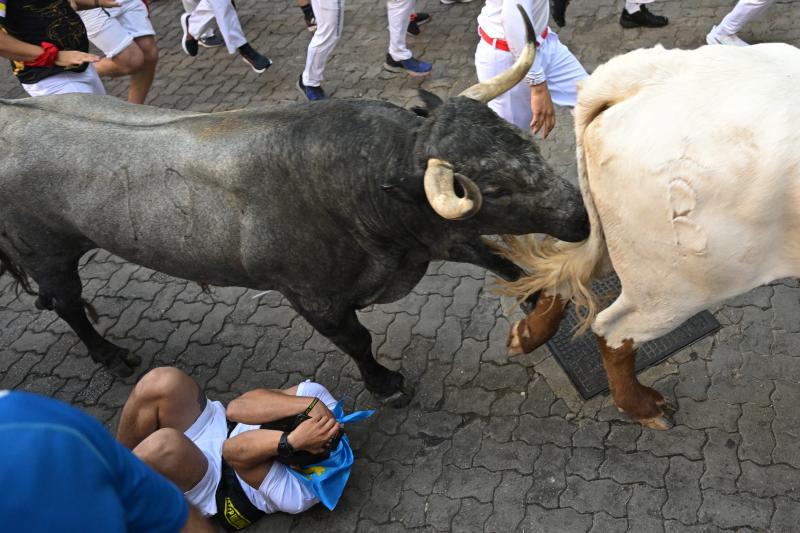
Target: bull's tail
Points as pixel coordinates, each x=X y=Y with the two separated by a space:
x=558 y=267
x=16 y=272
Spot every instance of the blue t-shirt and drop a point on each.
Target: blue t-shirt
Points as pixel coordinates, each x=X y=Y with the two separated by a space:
x=61 y=471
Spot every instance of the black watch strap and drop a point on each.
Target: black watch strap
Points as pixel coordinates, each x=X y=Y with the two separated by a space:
x=284 y=448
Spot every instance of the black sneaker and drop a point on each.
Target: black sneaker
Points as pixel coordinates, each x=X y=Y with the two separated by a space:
x=309 y=91
x=642 y=19
x=311 y=20
x=412 y=66
x=188 y=43
x=558 y=8
x=259 y=63
x=211 y=41
x=417 y=20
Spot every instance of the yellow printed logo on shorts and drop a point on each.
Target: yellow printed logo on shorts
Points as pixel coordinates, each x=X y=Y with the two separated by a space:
x=233 y=516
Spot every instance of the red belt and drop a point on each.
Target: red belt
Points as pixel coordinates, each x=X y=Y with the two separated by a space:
x=502 y=44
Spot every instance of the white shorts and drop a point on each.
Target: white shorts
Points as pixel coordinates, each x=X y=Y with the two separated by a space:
x=280 y=490
x=113 y=30
x=208 y=433
x=67 y=82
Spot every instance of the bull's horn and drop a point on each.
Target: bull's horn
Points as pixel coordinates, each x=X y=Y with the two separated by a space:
x=494 y=87
x=439 y=181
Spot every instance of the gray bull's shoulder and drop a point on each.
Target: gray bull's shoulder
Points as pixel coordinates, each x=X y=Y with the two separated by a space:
x=227 y=193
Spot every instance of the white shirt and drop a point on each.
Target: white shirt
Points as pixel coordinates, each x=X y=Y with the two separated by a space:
x=500 y=19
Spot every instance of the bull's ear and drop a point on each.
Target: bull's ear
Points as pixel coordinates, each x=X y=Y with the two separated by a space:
x=431 y=100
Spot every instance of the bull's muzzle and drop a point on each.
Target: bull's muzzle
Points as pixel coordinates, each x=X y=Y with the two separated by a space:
x=440 y=190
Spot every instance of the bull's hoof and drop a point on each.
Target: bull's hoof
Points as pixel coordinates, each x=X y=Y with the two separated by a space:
x=120 y=369
x=392 y=390
x=662 y=422
x=397 y=400
x=516 y=339
x=115 y=359
x=538 y=327
x=131 y=359
x=41 y=305
x=652 y=410
x=529 y=304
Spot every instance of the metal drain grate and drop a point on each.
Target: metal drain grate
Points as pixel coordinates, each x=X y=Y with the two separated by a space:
x=580 y=358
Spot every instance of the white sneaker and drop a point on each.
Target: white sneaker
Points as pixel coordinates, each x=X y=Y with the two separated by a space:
x=729 y=40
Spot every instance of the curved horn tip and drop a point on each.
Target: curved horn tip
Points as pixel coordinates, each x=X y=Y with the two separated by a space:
x=530 y=34
x=490 y=89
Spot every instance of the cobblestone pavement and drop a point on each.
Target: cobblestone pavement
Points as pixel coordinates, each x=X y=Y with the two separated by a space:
x=489 y=443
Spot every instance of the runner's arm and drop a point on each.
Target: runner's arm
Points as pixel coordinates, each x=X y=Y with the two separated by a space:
x=79 y=5
x=260 y=406
x=16 y=50
x=252 y=448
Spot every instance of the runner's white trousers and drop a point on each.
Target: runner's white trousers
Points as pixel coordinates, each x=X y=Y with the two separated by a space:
x=203 y=13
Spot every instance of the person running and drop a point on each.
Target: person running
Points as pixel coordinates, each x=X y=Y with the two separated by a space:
x=329 y=19
x=555 y=73
x=198 y=23
x=744 y=12
x=126 y=37
x=48 y=47
x=399 y=58
x=634 y=15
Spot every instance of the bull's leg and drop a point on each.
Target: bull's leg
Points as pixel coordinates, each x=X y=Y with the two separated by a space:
x=643 y=404
x=347 y=333
x=538 y=327
x=60 y=291
x=619 y=328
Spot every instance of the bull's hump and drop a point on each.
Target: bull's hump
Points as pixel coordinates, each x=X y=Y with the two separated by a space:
x=100 y=108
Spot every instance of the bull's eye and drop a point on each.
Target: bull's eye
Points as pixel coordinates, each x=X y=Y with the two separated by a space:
x=494 y=191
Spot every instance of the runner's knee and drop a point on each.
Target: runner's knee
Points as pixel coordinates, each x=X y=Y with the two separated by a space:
x=149 y=50
x=161 y=448
x=129 y=60
x=161 y=382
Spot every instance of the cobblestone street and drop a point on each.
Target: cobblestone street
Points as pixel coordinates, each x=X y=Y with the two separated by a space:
x=488 y=443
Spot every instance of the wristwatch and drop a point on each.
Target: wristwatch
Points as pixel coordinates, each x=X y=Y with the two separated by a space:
x=285 y=449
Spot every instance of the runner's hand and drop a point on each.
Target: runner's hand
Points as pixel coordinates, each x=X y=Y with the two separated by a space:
x=320 y=410
x=312 y=434
x=72 y=58
x=544 y=116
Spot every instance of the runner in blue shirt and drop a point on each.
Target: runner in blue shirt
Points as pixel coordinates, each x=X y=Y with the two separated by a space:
x=62 y=471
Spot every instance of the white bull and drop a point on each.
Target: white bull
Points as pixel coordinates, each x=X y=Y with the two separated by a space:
x=689 y=165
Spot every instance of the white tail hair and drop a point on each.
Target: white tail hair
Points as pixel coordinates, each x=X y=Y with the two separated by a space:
x=567 y=269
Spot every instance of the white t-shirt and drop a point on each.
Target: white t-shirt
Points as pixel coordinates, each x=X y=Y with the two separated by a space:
x=500 y=19
x=280 y=490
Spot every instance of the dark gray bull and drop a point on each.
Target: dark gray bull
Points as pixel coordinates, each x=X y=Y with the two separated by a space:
x=337 y=204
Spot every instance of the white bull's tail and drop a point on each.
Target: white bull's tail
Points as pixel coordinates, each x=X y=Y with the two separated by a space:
x=567 y=269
